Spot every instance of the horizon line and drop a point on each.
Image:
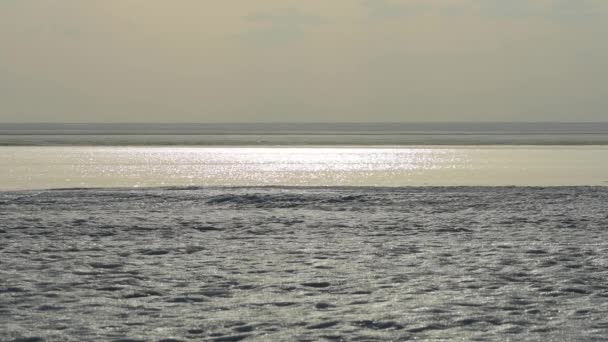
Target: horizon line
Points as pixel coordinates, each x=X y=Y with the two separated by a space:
x=288 y=122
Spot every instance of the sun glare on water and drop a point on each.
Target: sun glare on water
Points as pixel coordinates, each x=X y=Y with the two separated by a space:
x=61 y=167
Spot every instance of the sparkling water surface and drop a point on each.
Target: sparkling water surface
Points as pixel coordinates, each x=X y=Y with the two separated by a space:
x=97 y=166
x=305 y=264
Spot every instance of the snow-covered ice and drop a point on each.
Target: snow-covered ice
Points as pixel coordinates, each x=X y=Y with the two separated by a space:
x=307 y=264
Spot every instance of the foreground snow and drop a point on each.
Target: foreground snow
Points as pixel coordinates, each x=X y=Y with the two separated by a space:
x=228 y=264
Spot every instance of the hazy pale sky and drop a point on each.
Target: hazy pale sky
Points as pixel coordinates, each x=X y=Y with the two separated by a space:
x=306 y=60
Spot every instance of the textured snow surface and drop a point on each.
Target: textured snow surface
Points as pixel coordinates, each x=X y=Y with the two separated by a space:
x=307 y=264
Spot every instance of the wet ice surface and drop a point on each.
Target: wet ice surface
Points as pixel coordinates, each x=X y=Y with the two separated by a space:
x=305 y=264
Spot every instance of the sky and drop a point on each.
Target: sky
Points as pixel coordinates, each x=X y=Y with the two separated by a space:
x=305 y=60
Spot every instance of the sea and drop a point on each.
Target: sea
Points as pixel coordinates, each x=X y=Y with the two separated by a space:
x=43 y=156
x=304 y=232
